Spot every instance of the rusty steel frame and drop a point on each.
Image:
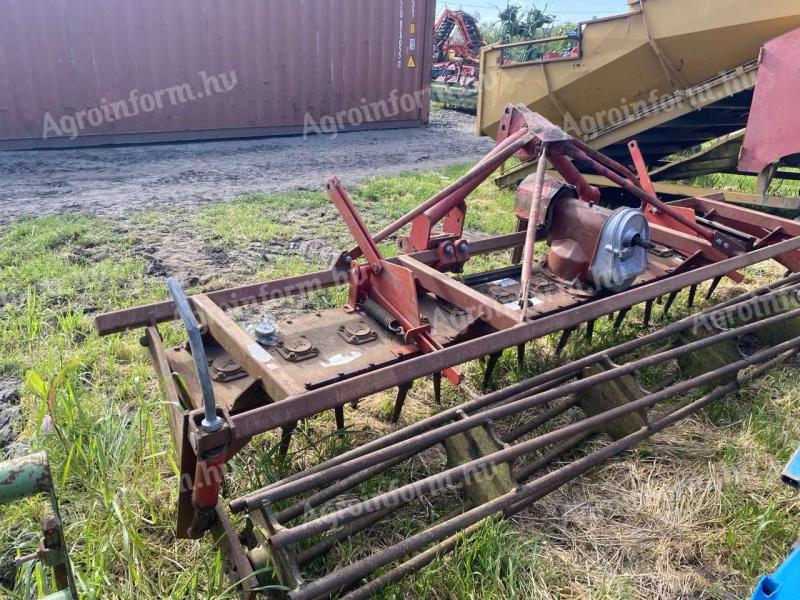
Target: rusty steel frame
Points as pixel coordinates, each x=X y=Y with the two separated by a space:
x=445 y=534
x=163 y=312
x=509 y=504
x=429 y=438
x=293 y=409
x=706 y=243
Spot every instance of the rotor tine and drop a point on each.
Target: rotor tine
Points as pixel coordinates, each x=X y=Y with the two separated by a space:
x=713 y=287
x=670 y=301
x=437 y=388
x=562 y=342
x=490 y=366
x=589 y=331
x=521 y=356
x=620 y=318
x=286 y=439
x=402 y=393
x=339 y=413
x=648 y=312
x=692 y=294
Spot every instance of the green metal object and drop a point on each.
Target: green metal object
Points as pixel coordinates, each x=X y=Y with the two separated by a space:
x=455 y=95
x=24 y=477
x=60 y=595
x=27 y=477
x=613 y=394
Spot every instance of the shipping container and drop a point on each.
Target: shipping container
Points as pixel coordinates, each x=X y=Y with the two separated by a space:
x=92 y=72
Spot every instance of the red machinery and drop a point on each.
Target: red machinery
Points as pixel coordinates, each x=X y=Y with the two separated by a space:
x=456 y=35
x=414 y=315
x=457 y=49
x=773 y=126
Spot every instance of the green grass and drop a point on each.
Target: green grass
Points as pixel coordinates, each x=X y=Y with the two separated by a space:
x=110 y=448
x=383 y=199
x=111 y=451
x=495 y=563
x=236 y=224
x=746 y=183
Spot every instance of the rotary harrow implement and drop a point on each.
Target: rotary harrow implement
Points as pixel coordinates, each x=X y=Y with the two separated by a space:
x=425 y=313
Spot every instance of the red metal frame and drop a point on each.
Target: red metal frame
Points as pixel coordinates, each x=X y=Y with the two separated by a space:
x=773 y=127
x=460 y=50
x=391 y=286
x=398 y=286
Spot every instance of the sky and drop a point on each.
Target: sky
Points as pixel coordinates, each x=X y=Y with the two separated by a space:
x=566 y=10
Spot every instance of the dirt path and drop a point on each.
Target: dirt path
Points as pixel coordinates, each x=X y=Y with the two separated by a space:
x=113 y=181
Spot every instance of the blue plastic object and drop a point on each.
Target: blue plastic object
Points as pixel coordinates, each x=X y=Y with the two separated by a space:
x=791 y=474
x=784 y=584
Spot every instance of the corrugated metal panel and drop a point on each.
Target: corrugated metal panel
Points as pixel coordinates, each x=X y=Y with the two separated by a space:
x=117 y=71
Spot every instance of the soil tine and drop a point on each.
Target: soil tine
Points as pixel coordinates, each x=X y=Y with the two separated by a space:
x=648 y=312
x=521 y=356
x=589 y=331
x=692 y=294
x=562 y=342
x=339 y=413
x=670 y=301
x=620 y=318
x=713 y=287
x=437 y=388
x=490 y=366
x=402 y=393
x=286 y=439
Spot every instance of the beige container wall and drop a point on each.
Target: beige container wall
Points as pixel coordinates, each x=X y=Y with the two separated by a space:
x=620 y=66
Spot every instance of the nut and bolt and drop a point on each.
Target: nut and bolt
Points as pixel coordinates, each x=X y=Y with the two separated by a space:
x=266 y=332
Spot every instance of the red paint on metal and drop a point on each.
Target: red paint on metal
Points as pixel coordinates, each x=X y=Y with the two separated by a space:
x=391 y=286
x=290 y=58
x=773 y=127
x=208 y=477
x=470 y=43
x=651 y=213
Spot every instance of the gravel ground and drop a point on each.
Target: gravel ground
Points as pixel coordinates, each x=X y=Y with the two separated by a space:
x=113 y=181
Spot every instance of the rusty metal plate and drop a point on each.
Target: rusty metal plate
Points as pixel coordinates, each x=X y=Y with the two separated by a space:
x=549 y=294
x=235 y=394
x=336 y=358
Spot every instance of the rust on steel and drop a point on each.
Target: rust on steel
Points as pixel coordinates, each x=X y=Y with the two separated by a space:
x=246 y=295
x=292 y=409
x=424 y=313
x=509 y=502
